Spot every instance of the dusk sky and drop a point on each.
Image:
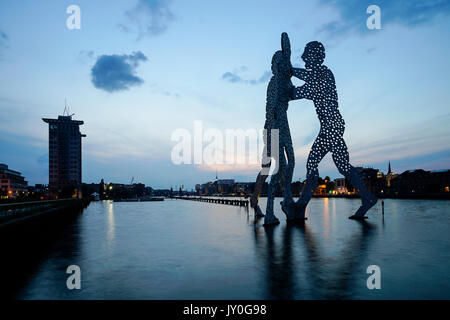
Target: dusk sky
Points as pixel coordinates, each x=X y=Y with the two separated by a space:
x=138 y=70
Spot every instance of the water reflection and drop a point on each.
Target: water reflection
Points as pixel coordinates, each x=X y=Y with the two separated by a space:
x=184 y=249
x=111 y=223
x=278 y=270
x=326 y=219
x=284 y=269
x=350 y=262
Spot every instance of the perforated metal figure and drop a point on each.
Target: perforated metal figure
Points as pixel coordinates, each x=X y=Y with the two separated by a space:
x=279 y=93
x=320 y=87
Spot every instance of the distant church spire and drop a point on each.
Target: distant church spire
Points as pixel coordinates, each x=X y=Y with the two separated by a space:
x=217 y=178
x=389 y=170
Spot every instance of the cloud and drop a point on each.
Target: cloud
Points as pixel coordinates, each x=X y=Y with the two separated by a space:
x=370 y=50
x=3 y=41
x=3 y=36
x=432 y=138
x=151 y=17
x=85 y=55
x=117 y=72
x=234 y=77
x=353 y=16
x=156 y=89
x=172 y=94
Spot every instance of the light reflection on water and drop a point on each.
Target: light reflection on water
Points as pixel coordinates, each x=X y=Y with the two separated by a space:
x=190 y=250
x=111 y=225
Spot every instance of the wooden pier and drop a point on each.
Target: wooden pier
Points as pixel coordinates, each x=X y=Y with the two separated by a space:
x=231 y=202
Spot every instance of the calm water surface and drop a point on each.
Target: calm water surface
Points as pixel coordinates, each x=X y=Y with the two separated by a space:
x=190 y=250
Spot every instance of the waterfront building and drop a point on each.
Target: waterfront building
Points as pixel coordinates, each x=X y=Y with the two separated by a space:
x=65 y=172
x=12 y=183
x=162 y=193
x=242 y=188
x=225 y=186
x=373 y=179
x=422 y=182
x=341 y=186
x=38 y=192
x=321 y=190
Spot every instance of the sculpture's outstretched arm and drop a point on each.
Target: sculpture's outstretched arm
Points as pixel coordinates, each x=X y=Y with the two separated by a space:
x=303 y=92
x=300 y=73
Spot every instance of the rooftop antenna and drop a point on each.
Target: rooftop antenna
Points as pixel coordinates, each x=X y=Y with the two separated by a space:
x=66 y=109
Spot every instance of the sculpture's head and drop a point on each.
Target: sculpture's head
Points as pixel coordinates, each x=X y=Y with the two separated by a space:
x=280 y=63
x=276 y=58
x=314 y=54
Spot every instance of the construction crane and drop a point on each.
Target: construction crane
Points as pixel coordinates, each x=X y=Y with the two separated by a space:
x=132 y=179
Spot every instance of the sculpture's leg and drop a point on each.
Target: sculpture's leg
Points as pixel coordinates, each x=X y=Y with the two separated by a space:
x=319 y=149
x=287 y=158
x=288 y=205
x=258 y=212
x=289 y=169
x=312 y=181
x=341 y=159
x=368 y=200
x=282 y=173
x=270 y=218
x=260 y=180
x=255 y=196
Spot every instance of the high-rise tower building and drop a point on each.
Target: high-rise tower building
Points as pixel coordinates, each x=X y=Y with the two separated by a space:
x=64 y=156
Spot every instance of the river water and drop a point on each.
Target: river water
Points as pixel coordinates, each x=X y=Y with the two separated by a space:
x=180 y=249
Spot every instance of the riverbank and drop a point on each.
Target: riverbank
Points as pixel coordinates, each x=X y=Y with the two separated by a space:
x=25 y=212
